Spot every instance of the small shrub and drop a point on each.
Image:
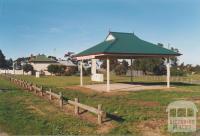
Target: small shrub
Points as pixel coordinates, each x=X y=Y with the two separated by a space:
x=177 y=72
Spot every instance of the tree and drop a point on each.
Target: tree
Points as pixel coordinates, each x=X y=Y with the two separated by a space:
x=113 y=64
x=70 y=56
x=52 y=57
x=56 y=69
x=2 y=60
x=174 y=60
x=196 y=69
x=27 y=68
x=71 y=71
x=125 y=64
x=61 y=69
x=148 y=64
x=155 y=65
x=21 y=61
x=120 y=70
x=52 y=69
x=9 y=63
x=160 y=69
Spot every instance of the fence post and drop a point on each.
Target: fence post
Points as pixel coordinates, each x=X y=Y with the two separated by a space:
x=35 y=89
x=191 y=81
x=61 y=99
x=41 y=89
x=99 y=114
x=50 y=97
x=30 y=87
x=23 y=84
x=76 y=110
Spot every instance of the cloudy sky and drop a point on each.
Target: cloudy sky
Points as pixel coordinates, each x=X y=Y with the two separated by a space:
x=54 y=27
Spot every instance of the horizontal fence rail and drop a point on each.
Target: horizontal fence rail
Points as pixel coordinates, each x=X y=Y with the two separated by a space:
x=52 y=95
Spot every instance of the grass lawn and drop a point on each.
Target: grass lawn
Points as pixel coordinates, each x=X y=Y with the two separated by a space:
x=137 y=113
x=22 y=113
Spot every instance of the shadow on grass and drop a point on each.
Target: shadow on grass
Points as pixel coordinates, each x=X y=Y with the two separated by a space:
x=116 y=118
x=109 y=117
x=159 y=83
x=6 y=90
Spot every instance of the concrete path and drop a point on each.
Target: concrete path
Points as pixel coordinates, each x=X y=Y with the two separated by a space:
x=123 y=87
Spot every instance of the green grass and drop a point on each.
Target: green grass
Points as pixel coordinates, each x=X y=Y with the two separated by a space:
x=128 y=110
x=22 y=113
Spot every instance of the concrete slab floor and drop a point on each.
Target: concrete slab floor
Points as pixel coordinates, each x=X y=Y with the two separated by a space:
x=123 y=87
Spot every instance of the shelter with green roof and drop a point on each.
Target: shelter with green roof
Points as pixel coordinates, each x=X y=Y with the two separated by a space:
x=118 y=45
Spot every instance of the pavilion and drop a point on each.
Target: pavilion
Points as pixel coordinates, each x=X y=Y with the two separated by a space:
x=118 y=45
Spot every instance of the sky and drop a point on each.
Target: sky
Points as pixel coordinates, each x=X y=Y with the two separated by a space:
x=54 y=27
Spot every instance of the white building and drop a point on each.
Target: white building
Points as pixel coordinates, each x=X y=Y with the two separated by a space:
x=41 y=62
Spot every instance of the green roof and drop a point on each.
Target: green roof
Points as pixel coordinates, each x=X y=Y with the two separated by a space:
x=127 y=43
x=41 y=58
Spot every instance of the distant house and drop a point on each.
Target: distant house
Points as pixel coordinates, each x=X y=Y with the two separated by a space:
x=41 y=62
x=68 y=64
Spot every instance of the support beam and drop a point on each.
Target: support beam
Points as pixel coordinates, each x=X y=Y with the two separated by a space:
x=94 y=67
x=108 y=75
x=81 y=73
x=13 y=68
x=168 y=72
x=131 y=70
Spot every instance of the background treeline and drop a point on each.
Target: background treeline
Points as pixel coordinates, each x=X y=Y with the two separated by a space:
x=5 y=64
x=149 y=66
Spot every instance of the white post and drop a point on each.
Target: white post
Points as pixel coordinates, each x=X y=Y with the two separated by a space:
x=168 y=73
x=131 y=70
x=108 y=75
x=13 y=68
x=94 y=67
x=81 y=72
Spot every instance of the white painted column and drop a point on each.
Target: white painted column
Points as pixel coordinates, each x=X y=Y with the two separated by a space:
x=81 y=73
x=94 y=66
x=108 y=75
x=168 y=72
x=131 y=70
x=13 y=68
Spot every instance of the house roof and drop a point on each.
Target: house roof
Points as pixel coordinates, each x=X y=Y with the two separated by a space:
x=42 y=58
x=127 y=43
x=68 y=63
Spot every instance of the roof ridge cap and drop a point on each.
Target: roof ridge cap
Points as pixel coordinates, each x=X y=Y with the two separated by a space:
x=122 y=32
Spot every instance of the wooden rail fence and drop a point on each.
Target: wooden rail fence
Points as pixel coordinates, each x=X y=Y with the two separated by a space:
x=52 y=95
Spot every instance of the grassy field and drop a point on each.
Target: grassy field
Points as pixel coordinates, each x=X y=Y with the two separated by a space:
x=22 y=113
x=135 y=113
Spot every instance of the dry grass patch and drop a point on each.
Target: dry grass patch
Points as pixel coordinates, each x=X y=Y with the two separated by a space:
x=152 y=128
